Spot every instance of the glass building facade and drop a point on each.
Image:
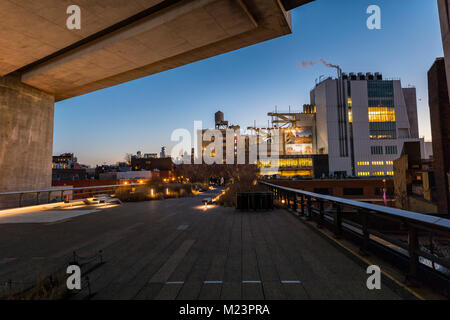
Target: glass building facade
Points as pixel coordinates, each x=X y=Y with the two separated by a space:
x=381 y=110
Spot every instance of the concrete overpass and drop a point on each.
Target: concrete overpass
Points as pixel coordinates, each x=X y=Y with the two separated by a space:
x=42 y=61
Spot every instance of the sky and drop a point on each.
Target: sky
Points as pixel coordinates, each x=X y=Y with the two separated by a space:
x=102 y=126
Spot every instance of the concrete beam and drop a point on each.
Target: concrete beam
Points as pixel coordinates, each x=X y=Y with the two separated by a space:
x=183 y=27
x=165 y=34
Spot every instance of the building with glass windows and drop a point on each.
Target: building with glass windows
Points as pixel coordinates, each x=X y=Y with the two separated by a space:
x=362 y=122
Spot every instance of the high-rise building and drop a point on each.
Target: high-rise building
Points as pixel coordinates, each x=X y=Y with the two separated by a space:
x=162 y=154
x=440 y=130
x=439 y=97
x=362 y=122
x=444 y=17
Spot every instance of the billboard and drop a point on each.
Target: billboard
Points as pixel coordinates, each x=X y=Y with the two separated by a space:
x=298 y=141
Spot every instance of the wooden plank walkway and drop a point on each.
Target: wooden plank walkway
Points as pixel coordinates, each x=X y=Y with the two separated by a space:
x=175 y=249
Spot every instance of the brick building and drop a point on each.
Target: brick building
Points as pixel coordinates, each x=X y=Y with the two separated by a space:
x=440 y=130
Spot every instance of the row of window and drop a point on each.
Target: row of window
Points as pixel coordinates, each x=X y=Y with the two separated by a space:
x=380 y=89
x=374 y=163
x=376 y=149
x=391 y=149
x=286 y=163
x=379 y=149
x=383 y=130
x=376 y=173
x=385 y=102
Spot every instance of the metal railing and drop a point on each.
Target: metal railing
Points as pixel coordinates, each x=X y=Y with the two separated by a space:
x=409 y=239
x=14 y=199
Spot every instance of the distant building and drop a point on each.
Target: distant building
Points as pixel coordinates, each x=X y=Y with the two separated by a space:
x=150 y=155
x=414 y=182
x=427 y=150
x=164 y=166
x=163 y=152
x=369 y=190
x=68 y=174
x=228 y=144
x=64 y=161
x=362 y=122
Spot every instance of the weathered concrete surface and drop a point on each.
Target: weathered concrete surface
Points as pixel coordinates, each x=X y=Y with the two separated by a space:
x=127 y=40
x=45 y=29
x=26 y=136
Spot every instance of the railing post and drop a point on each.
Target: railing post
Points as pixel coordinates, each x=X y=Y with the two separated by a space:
x=321 y=215
x=294 y=205
x=364 y=249
x=37 y=197
x=413 y=242
x=20 y=200
x=302 y=204
x=338 y=222
x=309 y=216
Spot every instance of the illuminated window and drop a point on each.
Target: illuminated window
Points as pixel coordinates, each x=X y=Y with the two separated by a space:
x=362 y=163
x=390 y=162
x=287 y=163
x=363 y=174
x=390 y=173
x=379 y=173
x=377 y=163
x=350 y=115
x=381 y=114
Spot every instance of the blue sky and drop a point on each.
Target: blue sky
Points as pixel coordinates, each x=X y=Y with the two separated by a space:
x=247 y=84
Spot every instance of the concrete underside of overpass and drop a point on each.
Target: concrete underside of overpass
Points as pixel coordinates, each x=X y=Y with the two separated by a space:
x=42 y=61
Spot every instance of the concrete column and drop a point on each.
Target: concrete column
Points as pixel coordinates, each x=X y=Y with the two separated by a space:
x=26 y=136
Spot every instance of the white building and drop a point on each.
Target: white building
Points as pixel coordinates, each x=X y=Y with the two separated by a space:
x=362 y=122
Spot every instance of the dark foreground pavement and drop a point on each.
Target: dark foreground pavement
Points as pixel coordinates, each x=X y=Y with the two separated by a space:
x=175 y=249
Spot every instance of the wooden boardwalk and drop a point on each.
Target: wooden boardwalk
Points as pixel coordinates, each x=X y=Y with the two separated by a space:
x=175 y=249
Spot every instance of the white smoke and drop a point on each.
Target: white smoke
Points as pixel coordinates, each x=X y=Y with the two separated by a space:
x=309 y=63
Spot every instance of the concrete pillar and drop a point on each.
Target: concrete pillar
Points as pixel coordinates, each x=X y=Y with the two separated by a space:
x=26 y=136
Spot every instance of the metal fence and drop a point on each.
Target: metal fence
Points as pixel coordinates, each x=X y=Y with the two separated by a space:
x=16 y=199
x=415 y=242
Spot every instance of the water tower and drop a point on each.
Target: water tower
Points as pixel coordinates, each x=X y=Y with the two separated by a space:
x=219 y=118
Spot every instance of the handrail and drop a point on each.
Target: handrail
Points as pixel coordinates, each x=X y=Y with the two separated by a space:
x=408 y=215
x=413 y=255
x=69 y=189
